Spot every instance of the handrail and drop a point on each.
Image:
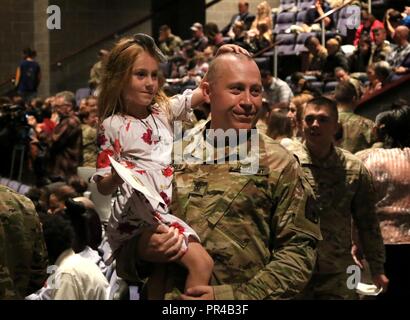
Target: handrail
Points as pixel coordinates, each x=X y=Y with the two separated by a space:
x=212 y=3
x=333 y=11
x=257 y=54
x=383 y=90
x=321 y=19
x=114 y=34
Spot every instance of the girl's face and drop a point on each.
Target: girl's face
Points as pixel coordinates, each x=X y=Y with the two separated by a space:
x=143 y=83
x=371 y=74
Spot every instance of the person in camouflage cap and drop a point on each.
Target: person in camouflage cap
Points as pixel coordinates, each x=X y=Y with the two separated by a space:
x=344 y=191
x=258 y=223
x=23 y=255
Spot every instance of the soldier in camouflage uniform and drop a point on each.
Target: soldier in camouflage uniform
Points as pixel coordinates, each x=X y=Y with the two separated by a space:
x=260 y=228
x=89 y=120
x=344 y=191
x=357 y=131
x=23 y=255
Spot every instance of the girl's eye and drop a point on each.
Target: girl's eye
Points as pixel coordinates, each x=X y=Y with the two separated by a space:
x=140 y=74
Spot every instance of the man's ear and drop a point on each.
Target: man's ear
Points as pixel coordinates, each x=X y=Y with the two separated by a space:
x=206 y=91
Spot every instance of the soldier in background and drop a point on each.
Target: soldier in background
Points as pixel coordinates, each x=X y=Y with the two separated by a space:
x=261 y=228
x=344 y=191
x=23 y=255
x=357 y=131
x=169 y=43
x=97 y=70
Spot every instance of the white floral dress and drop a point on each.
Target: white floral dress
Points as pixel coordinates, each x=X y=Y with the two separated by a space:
x=145 y=147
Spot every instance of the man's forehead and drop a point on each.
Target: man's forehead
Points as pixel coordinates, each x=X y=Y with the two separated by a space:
x=234 y=67
x=317 y=109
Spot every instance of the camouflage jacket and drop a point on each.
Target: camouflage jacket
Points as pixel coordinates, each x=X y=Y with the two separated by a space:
x=261 y=229
x=344 y=190
x=89 y=145
x=357 y=132
x=23 y=255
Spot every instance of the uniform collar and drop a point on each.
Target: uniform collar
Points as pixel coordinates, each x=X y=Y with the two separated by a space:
x=201 y=148
x=332 y=160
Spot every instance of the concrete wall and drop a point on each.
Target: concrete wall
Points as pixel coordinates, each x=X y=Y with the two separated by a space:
x=23 y=24
x=222 y=12
x=16 y=25
x=84 y=22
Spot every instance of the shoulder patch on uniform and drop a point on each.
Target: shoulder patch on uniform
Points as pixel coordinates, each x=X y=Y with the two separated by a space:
x=200 y=188
x=311 y=210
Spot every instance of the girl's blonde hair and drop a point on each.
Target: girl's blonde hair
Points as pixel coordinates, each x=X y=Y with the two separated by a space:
x=117 y=72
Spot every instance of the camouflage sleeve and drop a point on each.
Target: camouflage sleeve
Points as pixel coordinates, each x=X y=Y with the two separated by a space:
x=23 y=252
x=370 y=134
x=293 y=252
x=7 y=290
x=365 y=219
x=39 y=260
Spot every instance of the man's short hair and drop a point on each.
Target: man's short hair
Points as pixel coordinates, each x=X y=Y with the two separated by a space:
x=345 y=92
x=164 y=27
x=29 y=53
x=68 y=97
x=58 y=235
x=382 y=69
x=212 y=71
x=311 y=39
x=323 y=101
x=265 y=73
x=337 y=69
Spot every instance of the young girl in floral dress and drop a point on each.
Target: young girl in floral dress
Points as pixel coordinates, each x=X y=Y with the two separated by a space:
x=136 y=129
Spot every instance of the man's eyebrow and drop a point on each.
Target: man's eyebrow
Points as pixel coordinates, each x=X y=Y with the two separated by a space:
x=233 y=84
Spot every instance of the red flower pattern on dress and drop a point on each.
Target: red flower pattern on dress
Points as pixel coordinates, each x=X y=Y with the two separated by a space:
x=168 y=171
x=147 y=136
x=102 y=160
x=129 y=164
x=117 y=146
x=176 y=225
x=165 y=197
x=141 y=171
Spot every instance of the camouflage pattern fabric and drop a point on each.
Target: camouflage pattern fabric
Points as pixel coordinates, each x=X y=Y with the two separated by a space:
x=90 y=149
x=171 y=46
x=96 y=74
x=23 y=255
x=357 y=132
x=344 y=191
x=261 y=229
